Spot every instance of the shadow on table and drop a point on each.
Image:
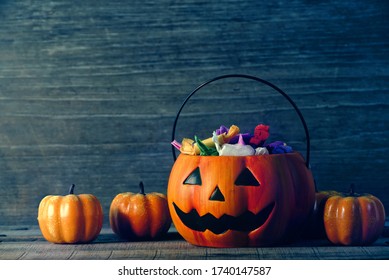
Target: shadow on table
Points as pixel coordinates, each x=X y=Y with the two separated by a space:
x=112 y=237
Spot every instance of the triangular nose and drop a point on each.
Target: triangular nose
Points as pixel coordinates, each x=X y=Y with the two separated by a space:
x=217 y=195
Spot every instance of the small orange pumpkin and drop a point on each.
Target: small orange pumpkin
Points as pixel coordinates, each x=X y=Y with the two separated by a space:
x=140 y=215
x=71 y=218
x=315 y=223
x=353 y=219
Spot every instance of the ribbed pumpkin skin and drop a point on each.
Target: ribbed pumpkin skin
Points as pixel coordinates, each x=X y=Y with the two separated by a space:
x=354 y=220
x=139 y=216
x=285 y=182
x=315 y=224
x=71 y=218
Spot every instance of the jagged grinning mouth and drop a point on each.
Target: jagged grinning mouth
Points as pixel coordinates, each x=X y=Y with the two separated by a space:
x=248 y=221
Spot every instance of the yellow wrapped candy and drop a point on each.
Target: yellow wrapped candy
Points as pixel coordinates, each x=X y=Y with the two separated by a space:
x=189 y=146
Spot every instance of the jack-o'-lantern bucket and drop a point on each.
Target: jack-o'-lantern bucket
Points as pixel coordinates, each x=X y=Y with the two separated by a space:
x=240 y=201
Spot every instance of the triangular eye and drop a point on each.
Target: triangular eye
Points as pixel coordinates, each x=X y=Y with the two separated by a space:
x=246 y=178
x=217 y=195
x=194 y=178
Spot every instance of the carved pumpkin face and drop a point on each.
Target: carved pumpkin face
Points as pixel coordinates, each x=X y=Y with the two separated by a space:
x=230 y=201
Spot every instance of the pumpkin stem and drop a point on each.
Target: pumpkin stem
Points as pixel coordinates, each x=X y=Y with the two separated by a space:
x=141 y=188
x=71 y=189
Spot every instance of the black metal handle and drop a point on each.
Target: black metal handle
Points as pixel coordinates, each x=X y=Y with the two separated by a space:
x=255 y=79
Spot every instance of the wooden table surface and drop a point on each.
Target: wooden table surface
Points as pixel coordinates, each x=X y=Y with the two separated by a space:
x=26 y=243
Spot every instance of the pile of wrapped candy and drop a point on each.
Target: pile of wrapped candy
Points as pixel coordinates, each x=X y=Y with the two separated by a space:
x=231 y=142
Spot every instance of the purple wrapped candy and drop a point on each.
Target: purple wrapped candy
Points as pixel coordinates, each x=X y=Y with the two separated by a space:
x=246 y=136
x=221 y=130
x=279 y=147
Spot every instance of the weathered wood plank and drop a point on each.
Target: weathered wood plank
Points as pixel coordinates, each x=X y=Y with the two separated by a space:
x=29 y=244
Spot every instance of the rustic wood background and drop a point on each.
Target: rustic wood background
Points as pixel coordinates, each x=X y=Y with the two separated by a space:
x=89 y=90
